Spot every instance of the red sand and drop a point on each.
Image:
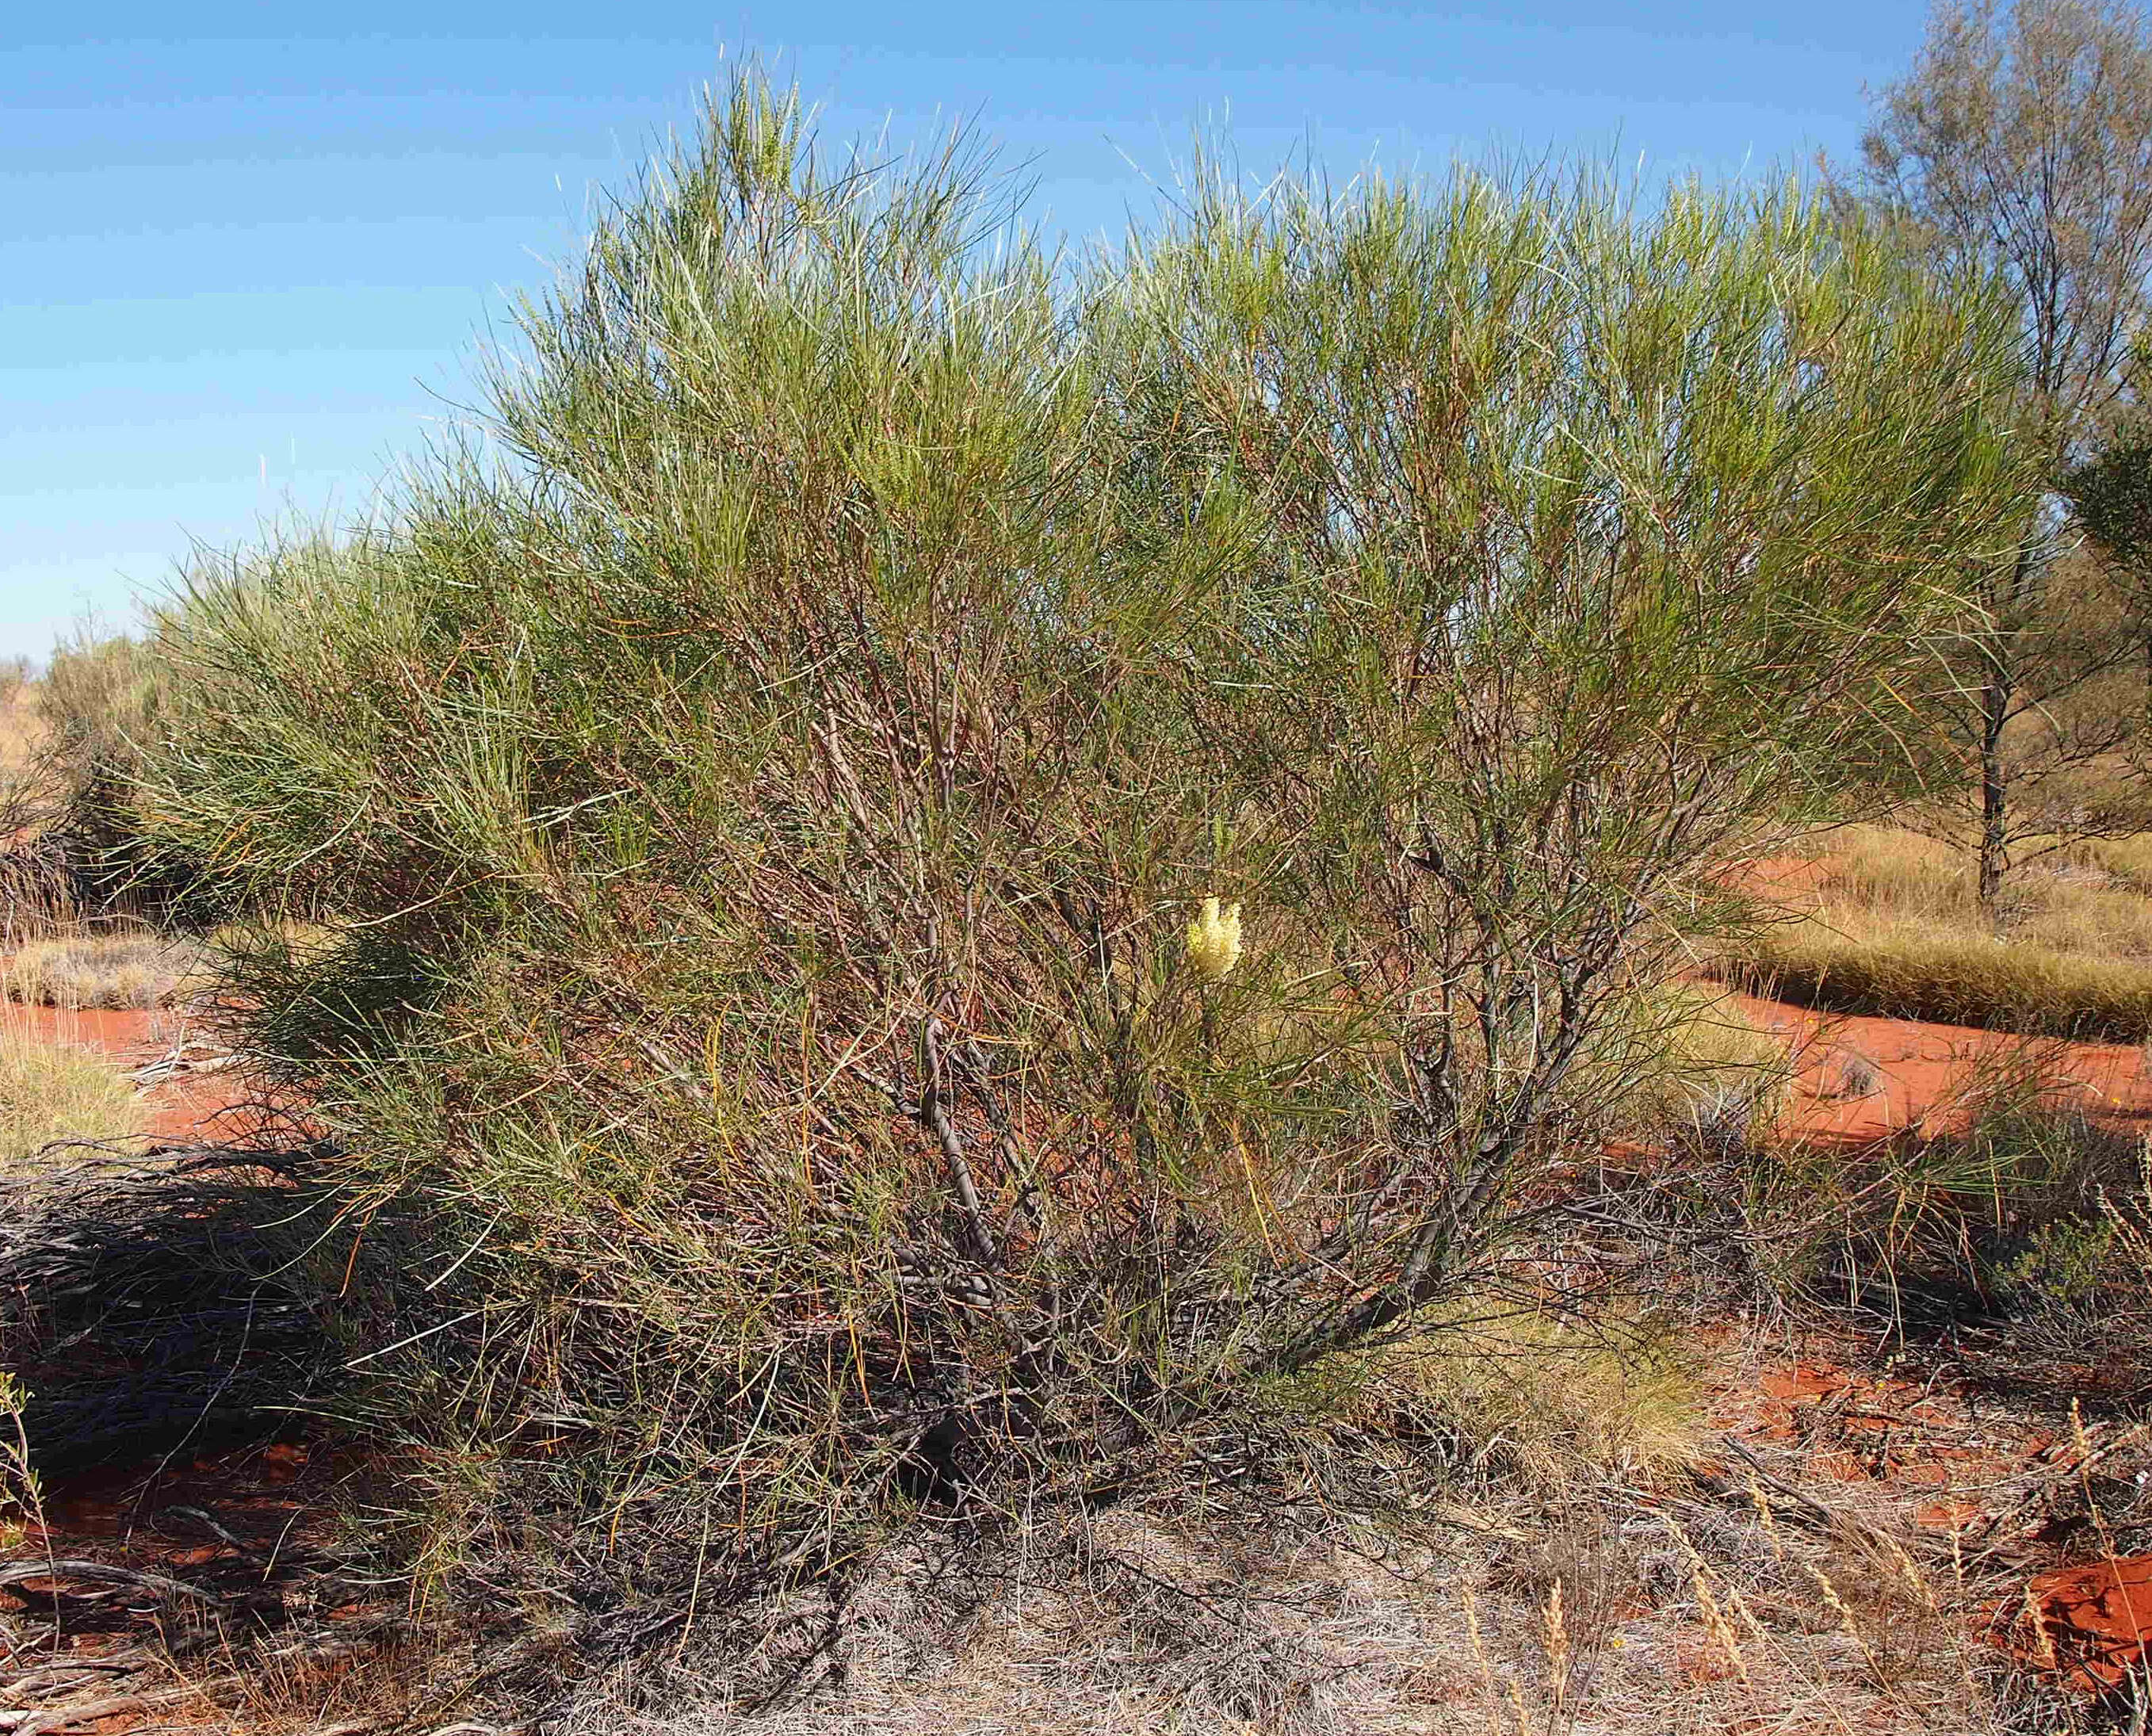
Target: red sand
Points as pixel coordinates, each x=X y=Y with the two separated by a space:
x=1930 y=1074
x=183 y=1108
x=122 y=1032
x=2099 y=1617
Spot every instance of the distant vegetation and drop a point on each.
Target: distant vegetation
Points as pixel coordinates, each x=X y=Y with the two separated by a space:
x=1892 y=926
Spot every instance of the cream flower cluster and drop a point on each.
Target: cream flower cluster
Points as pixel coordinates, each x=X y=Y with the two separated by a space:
x=1214 y=939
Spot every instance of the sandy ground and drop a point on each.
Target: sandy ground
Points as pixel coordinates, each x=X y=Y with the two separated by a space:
x=1859 y=1078
x=187 y=1107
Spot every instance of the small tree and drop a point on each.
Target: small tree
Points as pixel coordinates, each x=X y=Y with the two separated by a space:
x=2020 y=145
x=959 y=849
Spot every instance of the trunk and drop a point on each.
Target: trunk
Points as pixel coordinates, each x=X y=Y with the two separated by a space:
x=1997 y=692
x=1994 y=787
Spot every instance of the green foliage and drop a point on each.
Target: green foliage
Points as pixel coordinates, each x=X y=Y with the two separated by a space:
x=766 y=807
x=2069 y=1264
x=75 y=793
x=2020 y=1201
x=2111 y=493
x=97 y=699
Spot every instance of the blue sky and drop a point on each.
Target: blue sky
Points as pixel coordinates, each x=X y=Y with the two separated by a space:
x=245 y=256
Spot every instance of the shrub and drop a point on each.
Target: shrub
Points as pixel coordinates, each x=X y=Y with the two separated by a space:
x=70 y=806
x=2025 y=1204
x=767 y=811
x=97 y=702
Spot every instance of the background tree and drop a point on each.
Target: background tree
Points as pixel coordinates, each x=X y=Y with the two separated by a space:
x=2020 y=146
x=2110 y=496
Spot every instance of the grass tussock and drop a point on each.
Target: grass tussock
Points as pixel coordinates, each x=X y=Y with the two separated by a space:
x=1545 y=1403
x=91 y=971
x=1952 y=976
x=1891 y=928
x=1721 y=1081
x=52 y=1091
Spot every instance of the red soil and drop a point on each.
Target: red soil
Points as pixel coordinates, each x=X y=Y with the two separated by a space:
x=1928 y=1075
x=1859 y=1079
x=1931 y=1075
x=2098 y=1617
x=248 y=1526
x=185 y=1107
x=116 y=1031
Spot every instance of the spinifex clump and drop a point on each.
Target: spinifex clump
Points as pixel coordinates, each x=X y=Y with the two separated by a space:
x=767 y=794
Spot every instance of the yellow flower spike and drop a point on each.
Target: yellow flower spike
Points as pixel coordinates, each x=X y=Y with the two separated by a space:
x=1214 y=939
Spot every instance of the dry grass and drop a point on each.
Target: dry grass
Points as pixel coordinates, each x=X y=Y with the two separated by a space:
x=21 y=729
x=2126 y=862
x=1624 y=1584
x=1489 y=1619
x=132 y=970
x=1892 y=927
x=1952 y=977
x=52 y=1091
x=2090 y=899
x=1723 y=1080
x=1548 y=1402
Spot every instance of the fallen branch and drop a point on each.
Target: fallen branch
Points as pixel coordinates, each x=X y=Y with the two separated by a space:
x=107 y=1573
x=210 y=1523
x=68 y=1717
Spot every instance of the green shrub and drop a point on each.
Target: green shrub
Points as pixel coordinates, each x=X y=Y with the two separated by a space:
x=70 y=796
x=766 y=809
x=2071 y=1264
x=2028 y=1204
